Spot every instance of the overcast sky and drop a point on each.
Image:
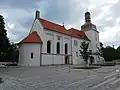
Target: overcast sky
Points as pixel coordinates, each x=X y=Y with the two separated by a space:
x=19 y=16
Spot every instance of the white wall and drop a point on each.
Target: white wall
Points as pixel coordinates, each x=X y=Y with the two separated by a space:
x=50 y=35
x=94 y=37
x=46 y=35
x=37 y=26
x=77 y=59
x=25 y=54
x=58 y=59
x=47 y=59
x=53 y=37
x=53 y=59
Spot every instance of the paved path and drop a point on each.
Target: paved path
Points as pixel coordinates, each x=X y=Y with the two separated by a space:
x=59 y=78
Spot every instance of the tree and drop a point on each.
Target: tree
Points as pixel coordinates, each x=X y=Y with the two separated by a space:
x=118 y=52
x=4 y=41
x=84 y=52
x=13 y=53
x=100 y=50
x=109 y=53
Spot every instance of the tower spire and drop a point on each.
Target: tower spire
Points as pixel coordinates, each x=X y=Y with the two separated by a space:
x=87 y=17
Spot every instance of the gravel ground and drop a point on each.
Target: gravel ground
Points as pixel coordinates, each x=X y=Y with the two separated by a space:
x=59 y=78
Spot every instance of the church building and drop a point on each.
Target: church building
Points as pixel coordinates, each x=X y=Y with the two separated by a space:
x=49 y=43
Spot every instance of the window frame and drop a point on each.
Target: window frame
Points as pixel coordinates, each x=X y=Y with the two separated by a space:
x=58 y=47
x=75 y=43
x=32 y=55
x=58 y=37
x=49 y=47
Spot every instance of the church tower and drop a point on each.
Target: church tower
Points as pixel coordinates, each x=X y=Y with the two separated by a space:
x=92 y=33
x=87 y=17
x=88 y=25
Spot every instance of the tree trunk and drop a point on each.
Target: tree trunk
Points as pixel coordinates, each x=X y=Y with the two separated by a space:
x=87 y=63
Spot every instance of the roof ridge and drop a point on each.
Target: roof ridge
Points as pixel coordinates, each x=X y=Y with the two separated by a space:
x=52 y=22
x=58 y=28
x=75 y=29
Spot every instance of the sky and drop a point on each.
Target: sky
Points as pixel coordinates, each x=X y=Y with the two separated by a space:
x=105 y=14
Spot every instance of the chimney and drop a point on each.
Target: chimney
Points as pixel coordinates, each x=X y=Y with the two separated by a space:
x=37 y=15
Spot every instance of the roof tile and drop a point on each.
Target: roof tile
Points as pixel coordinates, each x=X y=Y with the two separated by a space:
x=32 y=38
x=61 y=29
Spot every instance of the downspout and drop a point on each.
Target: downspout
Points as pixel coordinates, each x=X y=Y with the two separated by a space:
x=53 y=47
x=62 y=60
x=41 y=55
x=71 y=52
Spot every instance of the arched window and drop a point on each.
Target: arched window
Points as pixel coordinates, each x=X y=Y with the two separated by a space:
x=48 y=46
x=66 y=48
x=31 y=55
x=58 y=48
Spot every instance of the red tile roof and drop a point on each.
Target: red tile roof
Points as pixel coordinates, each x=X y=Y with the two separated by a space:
x=32 y=38
x=77 y=33
x=52 y=26
x=61 y=29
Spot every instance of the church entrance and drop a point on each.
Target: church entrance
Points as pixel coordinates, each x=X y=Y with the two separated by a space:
x=91 y=59
x=66 y=56
x=66 y=59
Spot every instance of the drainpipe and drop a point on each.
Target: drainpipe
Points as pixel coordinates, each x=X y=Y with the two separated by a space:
x=62 y=50
x=41 y=55
x=71 y=51
x=53 y=48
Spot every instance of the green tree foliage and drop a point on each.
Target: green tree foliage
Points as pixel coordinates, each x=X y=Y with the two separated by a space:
x=13 y=53
x=4 y=41
x=118 y=52
x=8 y=52
x=84 y=51
x=101 y=49
x=109 y=53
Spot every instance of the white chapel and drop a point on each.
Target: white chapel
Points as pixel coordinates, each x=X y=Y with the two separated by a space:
x=49 y=43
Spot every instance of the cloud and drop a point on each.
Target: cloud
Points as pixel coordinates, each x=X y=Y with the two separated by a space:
x=26 y=4
x=10 y=26
x=19 y=16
